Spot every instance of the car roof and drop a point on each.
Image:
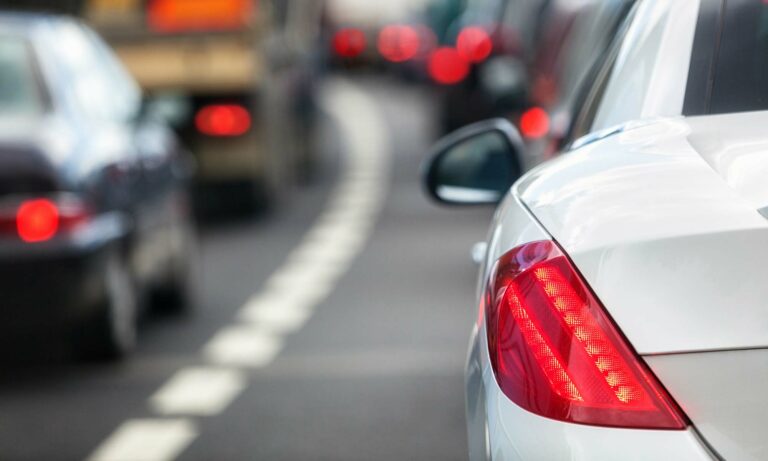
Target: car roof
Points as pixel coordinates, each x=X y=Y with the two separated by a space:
x=24 y=23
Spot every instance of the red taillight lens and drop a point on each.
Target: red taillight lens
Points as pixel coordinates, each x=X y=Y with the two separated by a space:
x=399 y=43
x=41 y=219
x=37 y=220
x=223 y=120
x=349 y=43
x=447 y=67
x=556 y=353
x=474 y=44
x=534 y=123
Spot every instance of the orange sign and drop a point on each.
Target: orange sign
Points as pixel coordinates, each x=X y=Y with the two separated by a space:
x=199 y=15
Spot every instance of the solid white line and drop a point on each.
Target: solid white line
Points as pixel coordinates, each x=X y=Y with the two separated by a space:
x=147 y=440
x=198 y=391
x=243 y=346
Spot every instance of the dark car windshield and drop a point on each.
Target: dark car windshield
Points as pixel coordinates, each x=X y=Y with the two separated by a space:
x=19 y=93
x=740 y=81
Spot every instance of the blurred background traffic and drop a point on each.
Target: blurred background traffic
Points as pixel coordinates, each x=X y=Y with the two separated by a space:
x=160 y=164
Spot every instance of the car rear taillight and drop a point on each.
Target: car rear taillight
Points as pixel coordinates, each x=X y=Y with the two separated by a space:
x=556 y=353
x=447 y=67
x=398 y=43
x=534 y=123
x=349 y=43
x=223 y=120
x=41 y=219
x=474 y=44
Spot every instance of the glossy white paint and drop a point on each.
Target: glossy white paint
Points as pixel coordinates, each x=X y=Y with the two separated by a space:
x=724 y=393
x=672 y=247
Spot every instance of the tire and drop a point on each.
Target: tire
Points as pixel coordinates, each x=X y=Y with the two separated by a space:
x=111 y=333
x=178 y=293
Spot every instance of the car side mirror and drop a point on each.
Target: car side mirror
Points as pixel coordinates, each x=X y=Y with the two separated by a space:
x=475 y=165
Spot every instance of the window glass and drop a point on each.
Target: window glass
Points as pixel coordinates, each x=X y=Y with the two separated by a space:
x=19 y=90
x=100 y=86
x=741 y=72
x=651 y=69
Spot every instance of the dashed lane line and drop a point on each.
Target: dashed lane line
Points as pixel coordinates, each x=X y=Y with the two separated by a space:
x=147 y=440
x=285 y=304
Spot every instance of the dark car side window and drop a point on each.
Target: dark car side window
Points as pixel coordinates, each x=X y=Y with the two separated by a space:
x=593 y=97
x=740 y=80
x=19 y=91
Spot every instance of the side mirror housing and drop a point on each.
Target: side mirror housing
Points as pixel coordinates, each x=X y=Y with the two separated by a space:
x=475 y=165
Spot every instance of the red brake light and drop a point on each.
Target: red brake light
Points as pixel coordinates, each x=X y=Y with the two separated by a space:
x=199 y=15
x=534 y=123
x=37 y=220
x=474 y=44
x=223 y=120
x=447 y=67
x=556 y=353
x=399 y=43
x=349 y=43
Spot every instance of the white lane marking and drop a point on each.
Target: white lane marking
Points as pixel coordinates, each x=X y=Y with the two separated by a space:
x=243 y=346
x=147 y=440
x=289 y=297
x=278 y=317
x=198 y=391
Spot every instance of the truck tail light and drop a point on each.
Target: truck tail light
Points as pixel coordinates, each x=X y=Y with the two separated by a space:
x=556 y=353
x=223 y=120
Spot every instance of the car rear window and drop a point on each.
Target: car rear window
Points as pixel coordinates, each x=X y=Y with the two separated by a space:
x=19 y=92
x=740 y=79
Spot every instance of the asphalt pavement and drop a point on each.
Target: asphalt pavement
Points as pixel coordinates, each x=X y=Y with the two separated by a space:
x=334 y=329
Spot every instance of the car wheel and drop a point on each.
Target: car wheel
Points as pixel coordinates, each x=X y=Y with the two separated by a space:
x=178 y=293
x=111 y=333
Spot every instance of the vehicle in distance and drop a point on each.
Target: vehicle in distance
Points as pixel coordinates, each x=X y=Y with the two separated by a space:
x=623 y=295
x=234 y=74
x=93 y=202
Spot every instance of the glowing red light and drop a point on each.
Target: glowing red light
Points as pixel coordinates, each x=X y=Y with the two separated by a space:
x=37 y=220
x=556 y=353
x=534 y=123
x=223 y=120
x=349 y=43
x=447 y=67
x=199 y=15
x=474 y=44
x=399 y=43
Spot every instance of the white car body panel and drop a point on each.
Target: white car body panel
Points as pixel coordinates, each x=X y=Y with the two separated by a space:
x=676 y=262
x=724 y=393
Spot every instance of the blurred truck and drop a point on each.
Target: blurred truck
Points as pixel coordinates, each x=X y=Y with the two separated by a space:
x=213 y=70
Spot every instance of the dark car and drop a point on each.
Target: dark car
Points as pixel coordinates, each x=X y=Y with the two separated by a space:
x=93 y=202
x=496 y=82
x=546 y=53
x=574 y=44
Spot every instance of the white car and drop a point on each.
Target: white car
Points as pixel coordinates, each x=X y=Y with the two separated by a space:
x=623 y=298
